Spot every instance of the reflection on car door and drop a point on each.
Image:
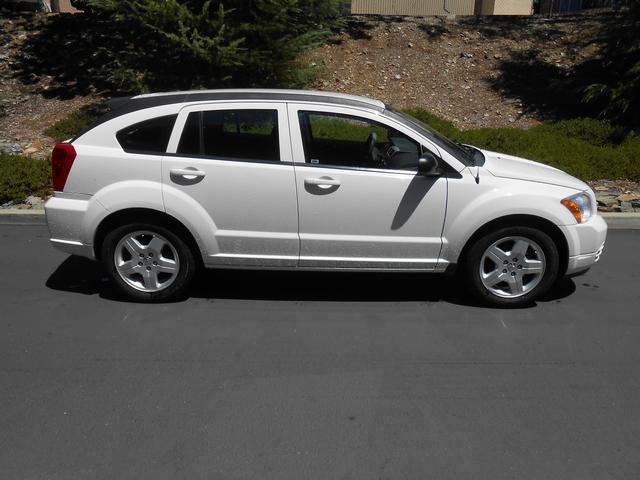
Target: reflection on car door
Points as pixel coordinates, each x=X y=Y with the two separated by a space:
x=354 y=212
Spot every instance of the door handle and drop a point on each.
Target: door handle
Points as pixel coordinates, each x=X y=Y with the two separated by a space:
x=323 y=182
x=189 y=173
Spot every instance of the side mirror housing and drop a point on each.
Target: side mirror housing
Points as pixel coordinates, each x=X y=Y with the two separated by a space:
x=428 y=165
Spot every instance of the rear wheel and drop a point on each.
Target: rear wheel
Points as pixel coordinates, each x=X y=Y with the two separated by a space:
x=148 y=262
x=511 y=266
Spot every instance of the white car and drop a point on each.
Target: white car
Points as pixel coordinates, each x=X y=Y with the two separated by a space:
x=303 y=180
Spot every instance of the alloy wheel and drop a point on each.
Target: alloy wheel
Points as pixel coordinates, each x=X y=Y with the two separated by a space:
x=512 y=266
x=146 y=261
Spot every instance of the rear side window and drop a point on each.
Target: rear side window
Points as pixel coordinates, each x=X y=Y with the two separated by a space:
x=150 y=136
x=232 y=134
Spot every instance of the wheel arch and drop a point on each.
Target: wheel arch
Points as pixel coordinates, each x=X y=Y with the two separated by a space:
x=144 y=215
x=531 y=221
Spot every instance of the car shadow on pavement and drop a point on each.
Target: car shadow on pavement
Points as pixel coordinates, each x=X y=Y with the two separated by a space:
x=88 y=277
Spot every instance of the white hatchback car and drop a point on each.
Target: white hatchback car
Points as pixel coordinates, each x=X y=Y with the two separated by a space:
x=280 y=179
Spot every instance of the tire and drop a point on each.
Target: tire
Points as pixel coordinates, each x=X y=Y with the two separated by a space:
x=148 y=263
x=498 y=273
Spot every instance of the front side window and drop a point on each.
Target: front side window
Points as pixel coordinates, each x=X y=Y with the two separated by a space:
x=150 y=136
x=349 y=141
x=465 y=154
x=233 y=134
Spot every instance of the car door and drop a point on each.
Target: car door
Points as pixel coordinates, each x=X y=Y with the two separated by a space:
x=228 y=169
x=356 y=210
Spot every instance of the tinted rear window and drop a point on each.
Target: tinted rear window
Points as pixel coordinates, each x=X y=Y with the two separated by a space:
x=150 y=136
x=232 y=134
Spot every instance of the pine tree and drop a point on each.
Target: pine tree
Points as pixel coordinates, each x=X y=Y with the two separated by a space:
x=205 y=43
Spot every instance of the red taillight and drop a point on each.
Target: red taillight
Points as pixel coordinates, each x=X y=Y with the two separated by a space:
x=61 y=161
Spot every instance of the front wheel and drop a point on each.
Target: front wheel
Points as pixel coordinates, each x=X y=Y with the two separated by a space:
x=148 y=263
x=511 y=266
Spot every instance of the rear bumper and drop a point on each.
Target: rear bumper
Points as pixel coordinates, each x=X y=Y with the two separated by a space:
x=70 y=224
x=73 y=247
x=586 y=243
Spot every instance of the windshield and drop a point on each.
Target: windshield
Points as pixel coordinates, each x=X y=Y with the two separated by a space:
x=464 y=154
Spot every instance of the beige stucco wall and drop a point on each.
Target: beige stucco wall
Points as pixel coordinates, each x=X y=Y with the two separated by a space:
x=416 y=8
x=507 y=7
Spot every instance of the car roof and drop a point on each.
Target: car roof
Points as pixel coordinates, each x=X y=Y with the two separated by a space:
x=122 y=105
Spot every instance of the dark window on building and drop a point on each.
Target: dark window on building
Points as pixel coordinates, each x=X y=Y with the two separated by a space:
x=150 y=136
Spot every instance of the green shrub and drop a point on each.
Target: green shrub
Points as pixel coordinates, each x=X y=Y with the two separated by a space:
x=209 y=43
x=586 y=148
x=21 y=177
x=445 y=127
x=593 y=131
x=75 y=122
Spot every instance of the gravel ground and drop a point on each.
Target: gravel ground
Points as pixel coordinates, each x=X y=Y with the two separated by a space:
x=26 y=110
x=450 y=67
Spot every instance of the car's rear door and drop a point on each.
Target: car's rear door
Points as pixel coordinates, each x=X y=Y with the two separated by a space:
x=233 y=161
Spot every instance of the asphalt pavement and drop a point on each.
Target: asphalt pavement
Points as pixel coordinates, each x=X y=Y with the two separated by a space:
x=266 y=375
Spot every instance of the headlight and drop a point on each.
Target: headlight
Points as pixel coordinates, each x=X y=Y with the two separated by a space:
x=579 y=205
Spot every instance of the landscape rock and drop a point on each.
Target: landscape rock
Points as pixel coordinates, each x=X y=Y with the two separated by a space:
x=606 y=200
x=35 y=202
x=626 y=207
x=628 y=197
x=30 y=151
x=11 y=148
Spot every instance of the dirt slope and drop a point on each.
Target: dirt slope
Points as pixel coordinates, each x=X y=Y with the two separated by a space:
x=456 y=69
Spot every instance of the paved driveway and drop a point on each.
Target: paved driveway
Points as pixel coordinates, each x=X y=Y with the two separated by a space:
x=302 y=376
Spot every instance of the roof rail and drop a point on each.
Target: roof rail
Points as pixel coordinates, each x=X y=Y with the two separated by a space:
x=267 y=93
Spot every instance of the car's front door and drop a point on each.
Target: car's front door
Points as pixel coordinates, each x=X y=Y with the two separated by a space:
x=229 y=168
x=361 y=203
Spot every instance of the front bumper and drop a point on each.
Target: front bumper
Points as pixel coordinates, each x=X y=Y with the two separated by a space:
x=586 y=243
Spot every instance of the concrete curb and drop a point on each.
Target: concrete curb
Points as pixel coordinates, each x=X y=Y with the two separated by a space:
x=622 y=220
x=14 y=216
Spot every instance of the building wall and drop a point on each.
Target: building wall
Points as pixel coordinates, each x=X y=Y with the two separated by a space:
x=417 y=8
x=512 y=7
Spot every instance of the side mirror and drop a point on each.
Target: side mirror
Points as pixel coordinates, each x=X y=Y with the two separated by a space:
x=428 y=165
